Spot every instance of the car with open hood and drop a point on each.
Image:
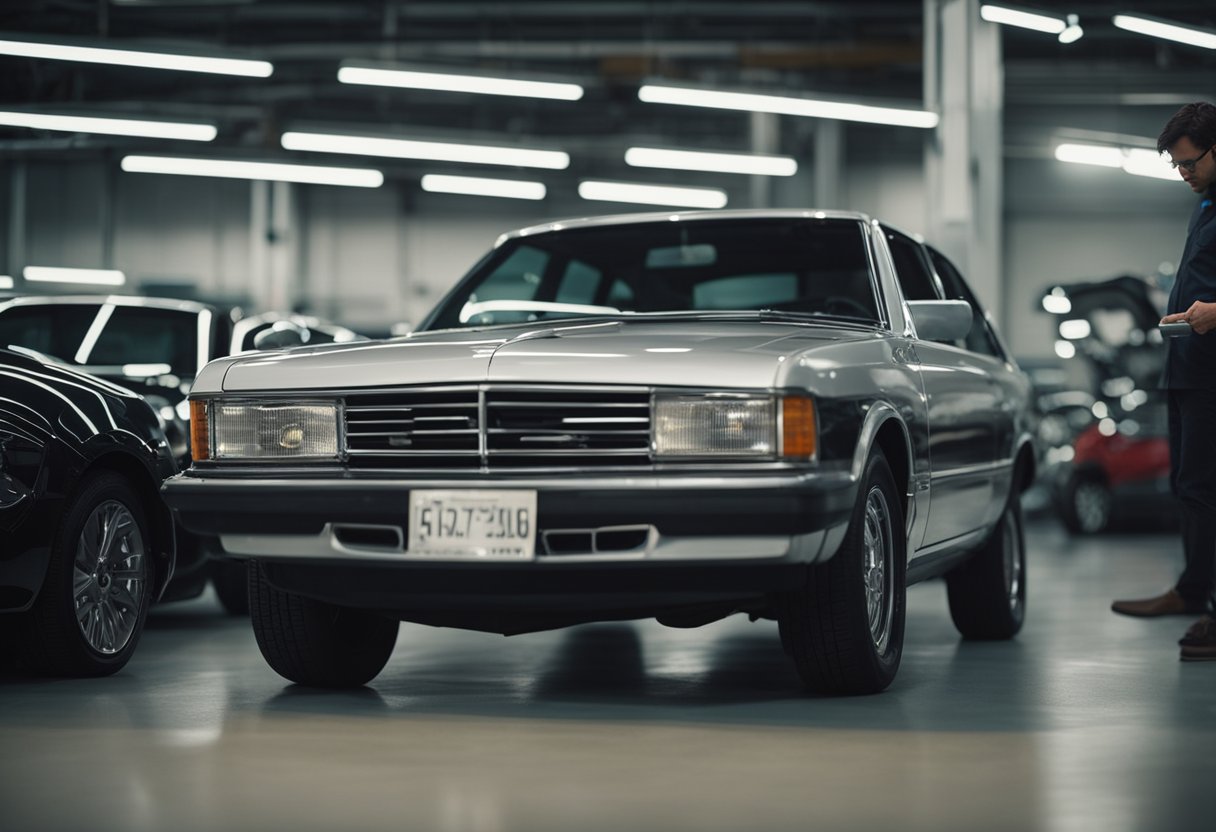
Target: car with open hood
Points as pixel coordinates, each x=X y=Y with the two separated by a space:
x=786 y=414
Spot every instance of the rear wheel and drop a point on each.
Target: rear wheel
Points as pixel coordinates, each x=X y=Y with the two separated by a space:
x=988 y=593
x=90 y=613
x=315 y=643
x=845 y=629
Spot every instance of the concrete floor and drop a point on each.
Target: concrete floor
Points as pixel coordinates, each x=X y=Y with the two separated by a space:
x=1087 y=721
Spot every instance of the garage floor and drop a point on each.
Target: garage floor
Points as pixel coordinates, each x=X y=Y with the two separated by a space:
x=1087 y=722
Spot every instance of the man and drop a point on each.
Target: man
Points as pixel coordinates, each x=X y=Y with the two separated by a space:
x=1190 y=383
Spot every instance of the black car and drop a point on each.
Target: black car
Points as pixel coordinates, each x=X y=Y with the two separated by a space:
x=156 y=346
x=87 y=543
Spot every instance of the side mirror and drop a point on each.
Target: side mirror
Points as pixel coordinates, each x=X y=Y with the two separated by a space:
x=279 y=335
x=940 y=320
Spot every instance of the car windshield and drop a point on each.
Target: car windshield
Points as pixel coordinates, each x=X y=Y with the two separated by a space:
x=795 y=265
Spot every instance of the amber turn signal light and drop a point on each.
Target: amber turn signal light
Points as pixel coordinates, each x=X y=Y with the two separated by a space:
x=797 y=428
x=200 y=445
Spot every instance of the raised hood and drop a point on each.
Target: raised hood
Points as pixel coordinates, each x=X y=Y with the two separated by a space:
x=649 y=353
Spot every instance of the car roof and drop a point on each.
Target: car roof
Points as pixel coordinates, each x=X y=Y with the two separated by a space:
x=117 y=300
x=681 y=216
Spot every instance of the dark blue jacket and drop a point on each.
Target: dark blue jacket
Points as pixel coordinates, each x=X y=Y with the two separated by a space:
x=1190 y=360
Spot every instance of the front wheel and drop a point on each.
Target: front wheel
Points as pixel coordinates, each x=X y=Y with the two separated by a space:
x=1087 y=506
x=314 y=643
x=90 y=612
x=845 y=628
x=987 y=594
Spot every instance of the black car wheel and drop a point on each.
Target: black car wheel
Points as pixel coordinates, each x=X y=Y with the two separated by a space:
x=845 y=629
x=90 y=613
x=988 y=593
x=1087 y=504
x=314 y=643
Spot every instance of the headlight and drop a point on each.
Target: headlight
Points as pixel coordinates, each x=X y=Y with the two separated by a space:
x=734 y=426
x=268 y=430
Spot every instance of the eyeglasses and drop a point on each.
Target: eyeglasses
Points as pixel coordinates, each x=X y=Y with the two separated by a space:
x=1189 y=165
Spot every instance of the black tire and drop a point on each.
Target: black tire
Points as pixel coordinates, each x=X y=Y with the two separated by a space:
x=90 y=612
x=314 y=643
x=843 y=637
x=1086 y=505
x=231 y=581
x=988 y=593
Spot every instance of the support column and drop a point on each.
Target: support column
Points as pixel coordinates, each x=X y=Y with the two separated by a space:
x=829 y=162
x=16 y=221
x=765 y=139
x=272 y=247
x=964 y=82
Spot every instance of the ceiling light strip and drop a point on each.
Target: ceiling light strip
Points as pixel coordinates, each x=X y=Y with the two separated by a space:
x=652 y=194
x=450 y=82
x=1023 y=19
x=271 y=171
x=55 y=274
x=783 y=105
x=477 y=186
x=1166 y=30
x=131 y=57
x=113 y=126
x=428 y=150
x=6 y=282
x=1134 y=160
x=757 y=165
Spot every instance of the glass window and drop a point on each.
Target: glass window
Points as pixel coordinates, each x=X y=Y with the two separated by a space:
x=51 y=329
x=915 y=277
x=142 y=335
x=815 y=267
x=980 y=339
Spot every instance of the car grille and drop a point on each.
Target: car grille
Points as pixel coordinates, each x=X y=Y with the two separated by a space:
x=492 y=427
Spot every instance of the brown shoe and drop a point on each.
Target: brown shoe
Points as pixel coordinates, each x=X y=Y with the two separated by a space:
x=1199 y=643
x=1171 y=603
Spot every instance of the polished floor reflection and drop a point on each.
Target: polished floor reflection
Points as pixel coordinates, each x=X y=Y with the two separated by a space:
x=1087 y=722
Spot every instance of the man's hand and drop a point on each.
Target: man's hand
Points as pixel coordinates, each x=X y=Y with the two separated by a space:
x=1201 y=316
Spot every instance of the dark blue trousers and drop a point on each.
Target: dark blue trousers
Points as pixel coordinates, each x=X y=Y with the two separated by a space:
x=1192 y=415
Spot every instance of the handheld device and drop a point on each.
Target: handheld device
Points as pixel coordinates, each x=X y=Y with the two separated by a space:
x=1175 y=328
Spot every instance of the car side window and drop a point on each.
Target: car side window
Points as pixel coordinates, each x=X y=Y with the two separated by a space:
x=915 y=277
x=52 y=330
x=980 y=339
x=138 y=335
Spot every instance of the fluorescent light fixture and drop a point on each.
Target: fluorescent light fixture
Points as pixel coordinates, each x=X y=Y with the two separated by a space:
x=476 y=186
x=651 y=157
x=785 y=105
x=1165 y=30
x=477 y=154
x=1023 y=19
x=113 y=126
x=1134 y=160
x=274 y=171
x=652 y=194
x=1140 y=162
x=6 y=282
x=1065 y=349
x=131 y=57
x=1057 y=302
x=454 y=82
x=1090 y=154
x=1072 y=32
x=98 y=277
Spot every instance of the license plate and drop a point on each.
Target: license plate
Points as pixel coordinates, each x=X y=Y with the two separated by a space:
x=473 y=524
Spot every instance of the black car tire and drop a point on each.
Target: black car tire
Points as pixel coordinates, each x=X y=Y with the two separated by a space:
x=314 y=643
x=51 y=640
x=231 y=581
x=987 y=593
x=829 y=627
x=1086 y=506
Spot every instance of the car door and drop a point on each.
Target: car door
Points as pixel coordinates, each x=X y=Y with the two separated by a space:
x=964 y=406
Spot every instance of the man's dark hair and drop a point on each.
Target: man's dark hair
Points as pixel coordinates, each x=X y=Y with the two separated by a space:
x=1196 y=122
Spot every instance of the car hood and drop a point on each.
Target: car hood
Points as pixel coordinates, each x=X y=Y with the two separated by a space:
x=745 y=353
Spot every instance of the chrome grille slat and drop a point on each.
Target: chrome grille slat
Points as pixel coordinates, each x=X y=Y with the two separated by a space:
x=493 y=427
